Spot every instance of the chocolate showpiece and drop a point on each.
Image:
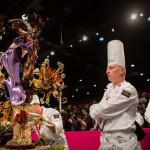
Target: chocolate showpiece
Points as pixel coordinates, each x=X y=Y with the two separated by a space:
x=25 y=43
x=23 y=79
x=16 y=86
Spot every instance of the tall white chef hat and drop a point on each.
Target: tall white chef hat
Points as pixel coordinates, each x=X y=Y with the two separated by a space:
x=35 y=100
x=115 y=51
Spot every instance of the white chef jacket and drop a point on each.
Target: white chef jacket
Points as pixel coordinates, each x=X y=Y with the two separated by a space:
x=139 y=119
x=51 y=138
x=147 y=113
x=117 y=109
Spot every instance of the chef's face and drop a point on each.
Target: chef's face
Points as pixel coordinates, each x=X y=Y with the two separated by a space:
x=115 y=73
x=35 y=108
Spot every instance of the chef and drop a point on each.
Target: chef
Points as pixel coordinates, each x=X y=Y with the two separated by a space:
x=116 y=112
x=51 y=127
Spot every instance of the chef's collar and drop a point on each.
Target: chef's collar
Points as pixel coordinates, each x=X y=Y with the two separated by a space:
x=118 y=85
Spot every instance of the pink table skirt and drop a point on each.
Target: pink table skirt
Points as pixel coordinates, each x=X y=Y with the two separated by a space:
x=90 y=140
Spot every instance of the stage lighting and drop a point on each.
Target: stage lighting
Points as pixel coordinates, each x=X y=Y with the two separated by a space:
x=84 y=38
x=132 y=65
x=52 y=53
x=133 y=16
x=101 y=39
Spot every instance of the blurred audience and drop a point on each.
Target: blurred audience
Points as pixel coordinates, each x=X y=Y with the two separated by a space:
x=77 y=118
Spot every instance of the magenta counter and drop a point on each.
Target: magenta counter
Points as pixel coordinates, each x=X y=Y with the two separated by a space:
x=90 y=140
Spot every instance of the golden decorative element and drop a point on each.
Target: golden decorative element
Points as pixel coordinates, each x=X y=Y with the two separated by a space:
x=2 y=77
x=21 y=128
x=49 y=81
x=64 y=100
x=6 y=111
x=48 y=98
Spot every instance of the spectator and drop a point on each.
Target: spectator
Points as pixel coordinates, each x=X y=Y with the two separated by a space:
x=87 y=121
x=73 y=121
x=147 y=113
x=144 y=99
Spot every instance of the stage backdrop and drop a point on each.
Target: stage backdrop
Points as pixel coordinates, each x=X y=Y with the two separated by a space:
x=90 y=140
